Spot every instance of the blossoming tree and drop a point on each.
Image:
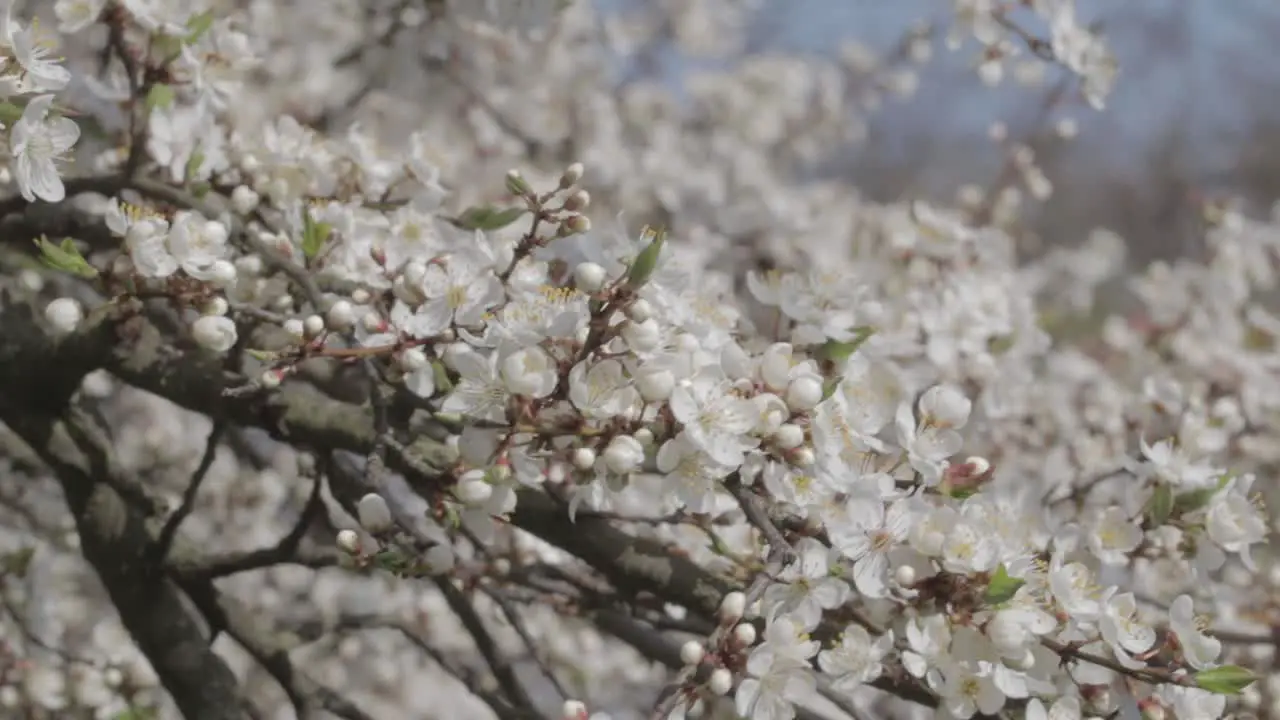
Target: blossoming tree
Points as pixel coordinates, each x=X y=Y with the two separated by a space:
x=420 y=358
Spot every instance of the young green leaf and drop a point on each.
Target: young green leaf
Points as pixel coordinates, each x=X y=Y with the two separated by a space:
x=1160 y=506
x=837 y=352
x=193 y=165
x=66 y=257
x=198 y=25
x=1225 y=680
x=489 y=218
x=10 y=113
x=647 y=261
x=441 y=375
x=1002 y=587
x=160 y=96
x=830 y=385
x=314 y=234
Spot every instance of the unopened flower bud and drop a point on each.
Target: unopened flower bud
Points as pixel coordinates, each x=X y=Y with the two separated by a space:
x=223 y=274
x=623 y=455
x=655 y=385
x=360 y=296
x=348 y=541
x=573 y=710
x=295 y=328
x=692 y=652
x=978 y=465
x=271 y=379
x=341 y=316
x=214 y=332
x=640 y=310
x=249 y=265
x=589 y=277
x=584 y=458
x=744 y=635
x=804 y=393
x=572 y=176
x=803 y=457
x=372 y=322
x=721 y=681
x=244 y=199
x=904 y=575
x=732 y=607
x=472 y=489
x=788 y=436
x=641 y=336
x=578 y=201
x=414 y=272
x=516 y=184
x=574 y=225
x=217 y=305
x=644 y=436
x=63 y=314
x=412 y=360
x=373 y=513
x=313 y=326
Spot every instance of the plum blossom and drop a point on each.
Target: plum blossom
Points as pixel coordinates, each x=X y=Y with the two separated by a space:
x=38 y=141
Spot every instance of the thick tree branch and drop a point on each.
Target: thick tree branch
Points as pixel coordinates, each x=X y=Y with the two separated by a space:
x=40 y=375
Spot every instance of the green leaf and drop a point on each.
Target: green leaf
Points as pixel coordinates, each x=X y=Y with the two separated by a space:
x=1000 y=345
x=1225 y=680
x=65 y=257
x=160 y=96
x=837 y=352
x=647 y=261
x=1160 y=506
x=830 y=385
x=10 y=113
x=198 y=25
x=393 y=561
x=441 y=375
x=314 y=234
x=193 y=165
x=166 y=47
x=489 y=218
x=1194 y=500
x=15 y=564
x=1002 y=587
x=266 y=356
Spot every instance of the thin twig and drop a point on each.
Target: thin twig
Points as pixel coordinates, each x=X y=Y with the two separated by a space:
x=501 y=667
x=160 y=549
x=282 y=552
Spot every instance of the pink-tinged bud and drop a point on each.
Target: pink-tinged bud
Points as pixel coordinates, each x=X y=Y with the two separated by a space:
x=573 y=710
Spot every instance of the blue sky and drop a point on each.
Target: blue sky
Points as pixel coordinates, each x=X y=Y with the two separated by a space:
x=1204 y=67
